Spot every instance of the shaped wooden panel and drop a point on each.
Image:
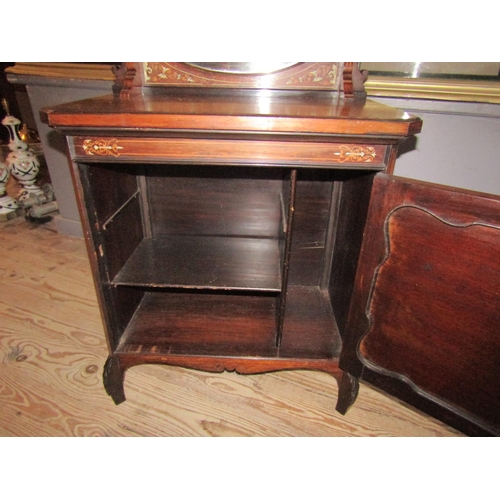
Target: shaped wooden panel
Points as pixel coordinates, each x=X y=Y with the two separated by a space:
x=429 y=279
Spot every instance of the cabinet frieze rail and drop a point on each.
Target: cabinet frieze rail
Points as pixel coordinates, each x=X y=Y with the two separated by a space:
x=231 y=151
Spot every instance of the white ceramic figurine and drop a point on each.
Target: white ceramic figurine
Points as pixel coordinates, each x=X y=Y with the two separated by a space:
x=21 y=161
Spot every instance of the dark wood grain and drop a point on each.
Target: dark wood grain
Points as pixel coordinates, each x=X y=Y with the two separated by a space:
x=202 y=324
x=113 y=379
x=234 y=151
x=347 y=237
x=123 y=302
x=111 y=186
x=310 y=329
x=187 y=200
x=348 y=392
x=436 y=295
x=428 y=288
x=205 y=262
x=313 y=197
x=111 y=239
x=285 y=248
x=234 y=111
x=121 y=237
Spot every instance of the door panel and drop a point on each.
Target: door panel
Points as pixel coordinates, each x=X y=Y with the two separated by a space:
x=426 y=305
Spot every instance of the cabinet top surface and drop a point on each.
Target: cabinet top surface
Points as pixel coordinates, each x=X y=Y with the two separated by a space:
x=259 y=111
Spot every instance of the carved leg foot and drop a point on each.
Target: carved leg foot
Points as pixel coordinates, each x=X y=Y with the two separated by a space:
x=348 y=392
x=113 y=380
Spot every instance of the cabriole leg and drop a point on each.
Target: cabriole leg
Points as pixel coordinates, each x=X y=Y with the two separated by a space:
x=113 y=379
x=348 y=392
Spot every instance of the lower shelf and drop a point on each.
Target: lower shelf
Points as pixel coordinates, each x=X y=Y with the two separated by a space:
x=227 y=325
x=202 y=323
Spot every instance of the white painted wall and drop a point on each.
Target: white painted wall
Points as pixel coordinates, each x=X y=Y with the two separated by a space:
x=459 y=144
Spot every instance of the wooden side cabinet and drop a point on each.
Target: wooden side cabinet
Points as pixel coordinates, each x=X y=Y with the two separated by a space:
x=235 y=223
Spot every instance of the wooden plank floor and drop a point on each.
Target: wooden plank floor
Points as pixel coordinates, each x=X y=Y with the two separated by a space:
x=52 y=350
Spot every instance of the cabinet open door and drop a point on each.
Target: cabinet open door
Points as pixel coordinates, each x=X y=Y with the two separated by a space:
x=424 y=320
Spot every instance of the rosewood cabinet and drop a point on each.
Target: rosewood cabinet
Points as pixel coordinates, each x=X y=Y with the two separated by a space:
x=249 y=222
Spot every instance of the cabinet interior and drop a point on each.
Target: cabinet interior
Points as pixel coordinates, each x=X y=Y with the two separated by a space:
x=247 y=261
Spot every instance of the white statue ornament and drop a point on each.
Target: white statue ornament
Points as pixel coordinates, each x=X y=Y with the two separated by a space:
x=8 y=205
x=21 y=161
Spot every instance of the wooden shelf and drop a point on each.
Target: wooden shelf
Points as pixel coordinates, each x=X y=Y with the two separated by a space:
x=223 y=324
x=172 y=323
x=205 y=262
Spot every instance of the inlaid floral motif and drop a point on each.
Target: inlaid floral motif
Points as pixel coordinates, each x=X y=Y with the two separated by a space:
x=159 y=72
x=102 y=147
x=322 y=75
x=356 y=154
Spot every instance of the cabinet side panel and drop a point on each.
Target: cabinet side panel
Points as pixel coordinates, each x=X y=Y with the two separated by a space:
x=109 y=212
x=124 y=302
x=113 y=208
x=111 y=187
x=121 y=236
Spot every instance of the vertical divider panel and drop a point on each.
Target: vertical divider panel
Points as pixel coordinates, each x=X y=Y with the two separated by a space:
x=286 y=254
x=331 y=234
x=144 y=200
x=350 y=225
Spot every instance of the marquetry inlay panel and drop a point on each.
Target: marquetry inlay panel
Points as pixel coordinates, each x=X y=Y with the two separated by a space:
x=318 y=76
